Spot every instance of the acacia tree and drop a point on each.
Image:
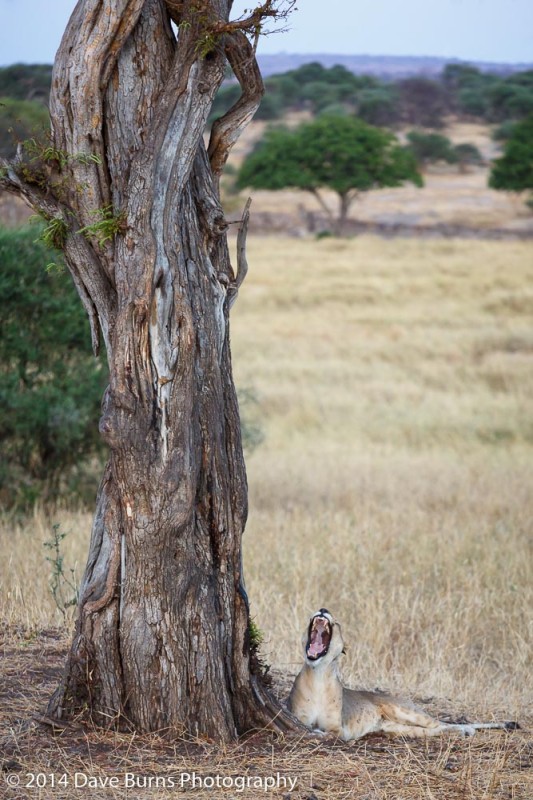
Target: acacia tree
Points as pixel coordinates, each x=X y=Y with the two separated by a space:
x=130 y=193
x=334 y=152
x=513 y=171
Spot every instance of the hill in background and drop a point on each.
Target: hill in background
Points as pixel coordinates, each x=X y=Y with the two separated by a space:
x=386 y=67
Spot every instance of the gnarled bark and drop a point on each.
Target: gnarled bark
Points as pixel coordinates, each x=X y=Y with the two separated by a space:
x=161 y=639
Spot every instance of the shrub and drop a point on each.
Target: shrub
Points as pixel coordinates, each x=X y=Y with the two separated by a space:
x=50 y=383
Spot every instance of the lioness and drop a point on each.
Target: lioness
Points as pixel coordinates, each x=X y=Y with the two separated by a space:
x=320 y=701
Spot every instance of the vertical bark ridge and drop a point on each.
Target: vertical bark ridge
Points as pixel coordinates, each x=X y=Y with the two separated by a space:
x=95 y=33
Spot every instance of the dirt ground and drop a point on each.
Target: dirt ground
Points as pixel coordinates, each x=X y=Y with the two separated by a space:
x=78 y=761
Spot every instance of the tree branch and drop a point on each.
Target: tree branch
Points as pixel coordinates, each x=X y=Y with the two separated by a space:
x=253 y=23
x=353 y=195
x=227 y=129
x=96 y=292
x=81 y=259
x=316 y=194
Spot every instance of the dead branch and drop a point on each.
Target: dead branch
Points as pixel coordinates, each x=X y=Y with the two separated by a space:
x=253 y=24
x=242 y=261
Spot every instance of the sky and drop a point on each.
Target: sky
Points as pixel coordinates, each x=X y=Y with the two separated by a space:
x=471 y=30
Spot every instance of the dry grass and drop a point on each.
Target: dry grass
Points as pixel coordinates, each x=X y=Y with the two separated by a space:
x=395 y=483
x=394 y=486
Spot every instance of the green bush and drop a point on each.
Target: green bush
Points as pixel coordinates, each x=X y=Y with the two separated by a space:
x=467 y=154
x=50 y=383
x=514 y=170
x=378 y=106
x=429 y=148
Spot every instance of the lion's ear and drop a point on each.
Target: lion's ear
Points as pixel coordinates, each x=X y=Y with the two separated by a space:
x=343 y=651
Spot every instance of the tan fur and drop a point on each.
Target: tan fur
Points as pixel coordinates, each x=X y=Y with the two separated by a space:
x=320 y=701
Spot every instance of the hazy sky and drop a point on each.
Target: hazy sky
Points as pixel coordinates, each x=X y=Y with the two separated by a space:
x=482 y=30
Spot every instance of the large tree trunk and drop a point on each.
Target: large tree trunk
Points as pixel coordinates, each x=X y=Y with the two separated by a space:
x=162 y=636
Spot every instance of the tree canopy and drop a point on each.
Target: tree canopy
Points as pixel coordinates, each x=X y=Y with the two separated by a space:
x=340 y=153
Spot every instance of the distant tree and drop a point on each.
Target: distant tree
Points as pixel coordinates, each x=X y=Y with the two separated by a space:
x=510 y=100
x=466 y=155
x=20 y=120
x=378 y=105
x=423 y=102
x=514 y=170
x=50 y=384
x=457 y=76
x=473 y=102
x=338 y=74
x=319 y=95
x=271 y=107
x=314 y=71
x=285 y=88
x=468 y=89
x=315 y=88
x=486 y=95
x=428 y=148
x=26 y=81
x=343 y=154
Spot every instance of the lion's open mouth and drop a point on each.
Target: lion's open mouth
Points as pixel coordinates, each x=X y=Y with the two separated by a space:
x=318 y=638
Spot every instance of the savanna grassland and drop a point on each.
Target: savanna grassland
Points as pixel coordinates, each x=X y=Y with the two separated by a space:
x=394 y=485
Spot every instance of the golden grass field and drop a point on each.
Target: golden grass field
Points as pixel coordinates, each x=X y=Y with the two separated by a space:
x=395 y=483
x=394 y=486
